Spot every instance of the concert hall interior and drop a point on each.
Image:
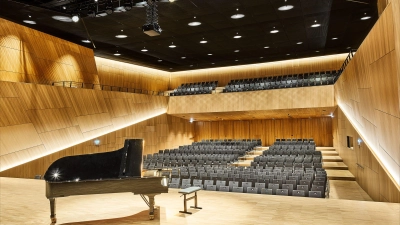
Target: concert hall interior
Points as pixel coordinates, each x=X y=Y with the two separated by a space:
x=265 y=112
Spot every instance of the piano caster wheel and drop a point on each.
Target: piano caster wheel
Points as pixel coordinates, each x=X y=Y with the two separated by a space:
x=151 y=217
x=53 y=220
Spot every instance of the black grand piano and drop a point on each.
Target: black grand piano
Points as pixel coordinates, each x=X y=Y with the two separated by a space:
x=110 y=172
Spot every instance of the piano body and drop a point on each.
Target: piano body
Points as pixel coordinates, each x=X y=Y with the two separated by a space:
x=110 y=172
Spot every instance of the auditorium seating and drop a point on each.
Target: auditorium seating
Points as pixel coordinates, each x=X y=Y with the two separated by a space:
x=301 y=179
x=195 y=88
x=286 y=81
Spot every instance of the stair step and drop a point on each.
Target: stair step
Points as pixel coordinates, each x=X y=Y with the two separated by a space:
x=329 y=153
x=340 y=175
x=329 y=158
x=335 y=166
x=325 y=149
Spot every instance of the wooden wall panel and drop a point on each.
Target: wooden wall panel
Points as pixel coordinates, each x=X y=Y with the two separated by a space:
x=313 y=97
x=368 y=94
x=267 y=130
x=121 y=74
x=37 y=120
x=160 y=132
x=35 y=57
x=224 y=74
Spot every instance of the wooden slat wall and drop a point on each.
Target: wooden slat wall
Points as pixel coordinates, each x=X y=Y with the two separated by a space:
x=372 y=177
x=37 y=120
x=268 y=130
x=160 y=132
x=368 y=93
x=290 y=98
x=224 y=74
x=31 y=56
x=121 y=74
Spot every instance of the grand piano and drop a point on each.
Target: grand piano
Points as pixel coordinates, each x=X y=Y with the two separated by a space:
x=110 y=172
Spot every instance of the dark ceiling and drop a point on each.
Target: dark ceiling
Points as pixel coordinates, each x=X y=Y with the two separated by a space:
x=339 y=19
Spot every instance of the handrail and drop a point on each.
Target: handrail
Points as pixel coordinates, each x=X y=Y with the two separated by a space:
x=347 y=60
x=74 y=84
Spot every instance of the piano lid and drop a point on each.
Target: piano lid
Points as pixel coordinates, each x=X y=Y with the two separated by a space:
x=125 y=162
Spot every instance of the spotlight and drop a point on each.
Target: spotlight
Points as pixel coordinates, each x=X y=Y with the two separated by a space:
x=96 y=142
x=191 y=120
x=128 y=5
x=75 y=18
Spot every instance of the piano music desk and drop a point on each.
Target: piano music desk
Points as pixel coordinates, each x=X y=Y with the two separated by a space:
x=187 y=191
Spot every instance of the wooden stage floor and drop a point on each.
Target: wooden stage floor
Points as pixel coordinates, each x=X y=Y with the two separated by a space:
x=23 y=201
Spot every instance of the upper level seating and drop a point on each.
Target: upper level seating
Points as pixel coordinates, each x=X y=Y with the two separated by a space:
x=195 y=88
x=286 y=81
x=206 y=152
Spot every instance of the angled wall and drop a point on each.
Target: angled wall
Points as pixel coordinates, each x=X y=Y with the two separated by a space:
x=368 y=92
x=38 y=120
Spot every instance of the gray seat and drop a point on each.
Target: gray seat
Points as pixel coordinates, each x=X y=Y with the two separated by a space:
x=266 y=191
x=315 y=194
x=245 y=185
x=259 y=186
x=185 y=186
x=304 y=188
x=289 y=187
x=224 y=188
x=252 y=190
x=282 y=192
x=220 y=183
x=173 y=185
x=233 y=184
x=211 y=187
x=186 y=181
x=274 y=187
x=208 y=182
x=299 y=193
x=237 y=189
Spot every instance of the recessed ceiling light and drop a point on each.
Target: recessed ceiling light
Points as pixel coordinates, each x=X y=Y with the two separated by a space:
x=274 y=31
x=75 y=18
x=62 y=18
x=64 y=7
x=335 y=38
x=365 y=17
x=285 y=8
x=203 y=41
x=288 y=54
x=170 y=68
x=191 y=65
x=121 y=36
x=317 y=51
x=209 y=54
x=299 y=43
x=160 y=60
x=29 y=21
x=237 y=16
x=29 y=16
x=261 y=57
x=237 y=51
x=183 y=57
x=194 y=24
x=117 y=54
x=237 y=36
x=315 y=24
x=266 y=47
x=144 y=50
x=85 y=41
x=213 y=63
x=236 y=60
x=172 y=45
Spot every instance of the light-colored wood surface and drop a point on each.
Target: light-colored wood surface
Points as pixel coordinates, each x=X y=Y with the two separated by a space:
x=368 y=95
x=224 y=74
x=38 y=120
x=114 y=73
x=268 y=130
x=28 y=55
x=339 y=175
x=268 y=100
x=350 y=190
x=335 y=165
x=21 y=205
x=161 y=132
x=330 y=158
x=329 y=153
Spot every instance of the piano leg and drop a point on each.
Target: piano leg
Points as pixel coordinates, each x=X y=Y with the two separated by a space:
x=53 y=210
x=151 y=206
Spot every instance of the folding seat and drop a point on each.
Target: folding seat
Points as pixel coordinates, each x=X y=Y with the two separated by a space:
x=245 y=185
x=223 y=188
x=220 y=183
x=319 y=188
x=211 y=187
x=300 y=193
x=304 y=188
x=288 y=187
x=314 y=194
x=173 y=185
x=259 y=186
x=306 y=182
x=292 y=182
x=237 y=189
x=198 y=183
x=282 y=192
x=320 y=178
x=252 y=190
x=266 y=191
x=274 y=187
x=233 y=184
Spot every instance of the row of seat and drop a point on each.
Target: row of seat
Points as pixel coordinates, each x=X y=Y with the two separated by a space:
x=195 y=88
x=286 y=81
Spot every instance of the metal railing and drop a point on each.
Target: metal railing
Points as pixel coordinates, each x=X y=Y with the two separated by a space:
x=73 y=84
x=347 y=60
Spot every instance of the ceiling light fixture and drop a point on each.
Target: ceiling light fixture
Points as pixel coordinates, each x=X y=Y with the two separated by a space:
x=75 y=18
x=117 y=53
x=62 y=18
x=285 y=7
x=29 y=16
x=317 y=51
x=237 y=16
x=160 y=60
x=203 y=41
x=183 y=57
x=236 y=60
x=365 y=17
x=209 y=54
x=299 y=43
x=85 y=41
x=121 y=36
x=195 y=23
x=266 y=47
x=316 y=24
x=172 y=45
x=237 y=51
x=144 y=49
x=335 y=38
x=237 y=36
x=29 y=21
x=274 y=31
